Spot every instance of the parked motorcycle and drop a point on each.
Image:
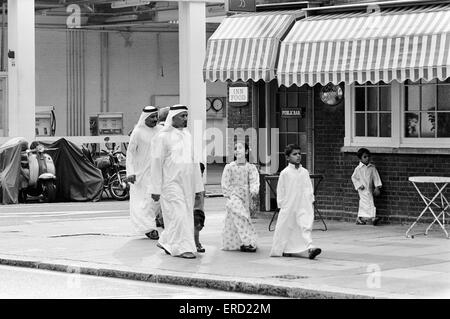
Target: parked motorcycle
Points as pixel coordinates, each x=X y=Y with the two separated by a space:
x=38 y=170
x=112 y=164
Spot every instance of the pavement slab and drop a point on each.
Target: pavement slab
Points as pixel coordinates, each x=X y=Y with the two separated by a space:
x=356 y=262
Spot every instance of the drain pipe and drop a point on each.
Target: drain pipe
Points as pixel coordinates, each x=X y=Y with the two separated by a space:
x=2 y=62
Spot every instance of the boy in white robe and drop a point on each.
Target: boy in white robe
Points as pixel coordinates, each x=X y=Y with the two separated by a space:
x=295 y=197
x=367 y=182
x=143 y=209
x=177 y=179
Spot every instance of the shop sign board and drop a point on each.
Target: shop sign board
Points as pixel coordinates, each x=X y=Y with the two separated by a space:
x=240 y=5
x=293 y=112
x=238 y=94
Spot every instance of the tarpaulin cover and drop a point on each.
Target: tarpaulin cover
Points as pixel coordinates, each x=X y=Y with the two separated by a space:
x=77 y=178
x=10 y=178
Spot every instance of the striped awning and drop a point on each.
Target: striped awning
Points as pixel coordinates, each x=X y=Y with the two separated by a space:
x=246 y=46
x=396 y=44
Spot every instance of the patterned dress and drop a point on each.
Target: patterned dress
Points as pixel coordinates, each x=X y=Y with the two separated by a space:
x=239 y=182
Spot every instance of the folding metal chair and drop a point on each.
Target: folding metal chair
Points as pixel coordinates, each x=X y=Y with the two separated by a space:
x=270 y=178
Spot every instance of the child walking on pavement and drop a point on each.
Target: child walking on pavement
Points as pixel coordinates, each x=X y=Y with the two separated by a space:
x=295 y=197
x=367 y=182
x=199 y=215
x=240 y=182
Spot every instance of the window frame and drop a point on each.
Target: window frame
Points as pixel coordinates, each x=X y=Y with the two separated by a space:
x=398 y=138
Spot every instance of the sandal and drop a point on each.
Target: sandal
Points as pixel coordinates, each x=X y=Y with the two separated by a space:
x=188 y=255
x=359 y=221
x=160 y=246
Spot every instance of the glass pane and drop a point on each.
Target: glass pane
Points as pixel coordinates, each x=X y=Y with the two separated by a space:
x=281 y=100
x=428 y=97
x=411 y=125
x=372 y=99
x=372 y=120
x=360 y=98
x=443 y=127
x=292 y=125
x=302 y=124
x=385 y=98
x=443 y=97
x=385 y=125
x=412 y=98
x=303 y=142
x=293 y=139
x=360 y=126
x=427 y=124
x=292 y=100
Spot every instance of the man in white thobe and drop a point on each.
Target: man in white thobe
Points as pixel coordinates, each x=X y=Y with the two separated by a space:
x=176 y=180
x=143 y=209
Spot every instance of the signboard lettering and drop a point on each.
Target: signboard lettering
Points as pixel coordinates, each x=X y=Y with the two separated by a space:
x=238 y=94
x=292 y=112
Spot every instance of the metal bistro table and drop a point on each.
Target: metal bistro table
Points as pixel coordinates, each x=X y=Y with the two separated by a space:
x=270 y=178
x=438 y=200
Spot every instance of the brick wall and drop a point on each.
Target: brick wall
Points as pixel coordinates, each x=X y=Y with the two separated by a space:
x=399 y=202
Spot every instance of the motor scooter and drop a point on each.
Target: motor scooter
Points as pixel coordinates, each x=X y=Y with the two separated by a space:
x=38 y=169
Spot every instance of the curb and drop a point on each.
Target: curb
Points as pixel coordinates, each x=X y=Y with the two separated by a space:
x=240 y=286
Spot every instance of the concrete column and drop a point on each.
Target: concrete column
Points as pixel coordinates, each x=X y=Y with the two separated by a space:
x=21 y=69
x=192 y=42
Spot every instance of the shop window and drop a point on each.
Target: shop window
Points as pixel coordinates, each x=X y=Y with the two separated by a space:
x=398 y=115
x=427 y=109
x=372 y=110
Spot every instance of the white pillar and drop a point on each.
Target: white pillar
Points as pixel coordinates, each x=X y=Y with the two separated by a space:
x=21 y=69
x=192 y=42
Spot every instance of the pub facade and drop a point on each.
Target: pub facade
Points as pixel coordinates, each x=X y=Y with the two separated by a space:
x=336 y=78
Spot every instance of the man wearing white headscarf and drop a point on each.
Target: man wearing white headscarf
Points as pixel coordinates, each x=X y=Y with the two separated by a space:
x=176 y=179
x=143 y=209
x=162 y=115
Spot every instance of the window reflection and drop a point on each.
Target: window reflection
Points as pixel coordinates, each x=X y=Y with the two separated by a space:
x=431 y=100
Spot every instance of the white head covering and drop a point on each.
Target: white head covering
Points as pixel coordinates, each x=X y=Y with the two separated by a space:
x=146 y=112
x=162 y=114
x=174 y=110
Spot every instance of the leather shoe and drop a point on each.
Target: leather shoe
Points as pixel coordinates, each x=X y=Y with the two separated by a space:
x=375 y=221
x=248 y=248
x=313 y=252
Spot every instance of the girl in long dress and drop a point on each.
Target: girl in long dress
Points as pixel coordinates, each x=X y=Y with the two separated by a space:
x=240 y=182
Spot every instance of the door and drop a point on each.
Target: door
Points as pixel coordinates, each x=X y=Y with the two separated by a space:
x=292 y=116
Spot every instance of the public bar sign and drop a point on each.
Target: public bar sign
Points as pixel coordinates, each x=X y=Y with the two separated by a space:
x=292 y=112
x=240 y=5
